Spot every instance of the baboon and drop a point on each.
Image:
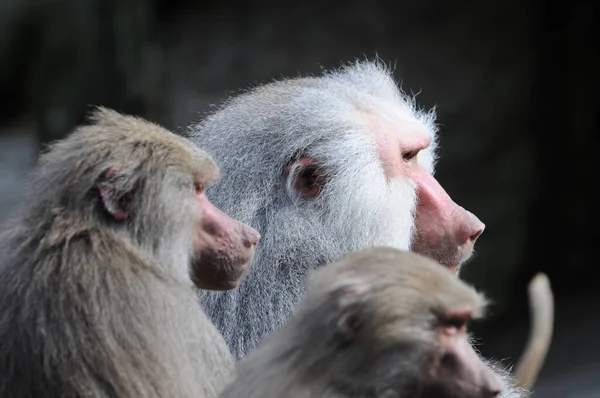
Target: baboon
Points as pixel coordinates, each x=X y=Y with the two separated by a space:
x=377 y=323
x=322 y=166
x=96 y=270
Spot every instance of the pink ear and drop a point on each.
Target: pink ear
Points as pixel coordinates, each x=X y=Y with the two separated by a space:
x=111 y=173
x=115 y=202
x=308 y=177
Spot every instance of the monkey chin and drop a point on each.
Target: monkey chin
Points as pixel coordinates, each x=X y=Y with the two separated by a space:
x=454 y=258
x=218 y=272
x=454 y=263
x=455 y=268
x=233 y=282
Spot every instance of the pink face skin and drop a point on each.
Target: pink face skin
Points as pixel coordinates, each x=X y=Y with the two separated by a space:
x=445 y=231
x=223 y=248
x=455 y=369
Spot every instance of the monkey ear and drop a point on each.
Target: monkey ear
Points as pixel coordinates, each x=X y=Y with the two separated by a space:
x=114 y=193
x=351 y=312
x=305 y=177
x=348 y=325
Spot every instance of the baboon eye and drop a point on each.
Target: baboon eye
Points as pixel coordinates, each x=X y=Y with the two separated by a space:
x=457 y=323
x=199 y=188
x=410 y=155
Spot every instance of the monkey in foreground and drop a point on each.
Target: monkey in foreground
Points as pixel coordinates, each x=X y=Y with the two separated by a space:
x=376 y=323
x=96 y=271
x=322 y=166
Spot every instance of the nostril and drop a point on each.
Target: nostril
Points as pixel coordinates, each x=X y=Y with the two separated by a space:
x=492 y=393
x=476 y=235
x=251 y=237
x=493 y=386
x=478 y=231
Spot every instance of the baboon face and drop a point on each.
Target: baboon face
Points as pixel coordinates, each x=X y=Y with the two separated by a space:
x=153 y=187
x=222 y=246
x=401 y=319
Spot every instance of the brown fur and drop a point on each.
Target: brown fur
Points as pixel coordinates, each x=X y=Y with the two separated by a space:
x=91 y=306
x=374 y=324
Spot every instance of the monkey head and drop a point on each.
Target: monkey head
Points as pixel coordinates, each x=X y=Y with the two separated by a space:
x=402 y=145
x=351 y=153
x=383 y=322
x=151 y=188
x=322 y=166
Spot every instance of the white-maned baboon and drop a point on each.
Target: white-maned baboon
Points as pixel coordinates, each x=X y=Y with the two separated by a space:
x=322 y=166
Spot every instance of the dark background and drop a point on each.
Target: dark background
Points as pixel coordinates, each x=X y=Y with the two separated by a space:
x=514 y=83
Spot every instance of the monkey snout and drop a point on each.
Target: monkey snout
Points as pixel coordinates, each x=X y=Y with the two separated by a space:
x=491 y=391
x=491 y=384
x=478 y=230
x=476 y=234
x=469 y=227
x=250 y=236
x=491 y=394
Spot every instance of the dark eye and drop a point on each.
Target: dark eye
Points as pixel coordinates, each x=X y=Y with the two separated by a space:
x=410 y=155
x=458 y=323
x=199 y=188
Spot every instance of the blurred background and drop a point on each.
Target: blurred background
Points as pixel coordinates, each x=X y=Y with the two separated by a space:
x=514 y=83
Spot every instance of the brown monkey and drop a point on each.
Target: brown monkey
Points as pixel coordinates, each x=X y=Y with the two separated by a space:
x=377 y=323
x=95 y=292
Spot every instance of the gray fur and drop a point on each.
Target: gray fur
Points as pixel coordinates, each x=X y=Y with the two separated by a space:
x=254 y=136
x=386 y=350
x=94 y=308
